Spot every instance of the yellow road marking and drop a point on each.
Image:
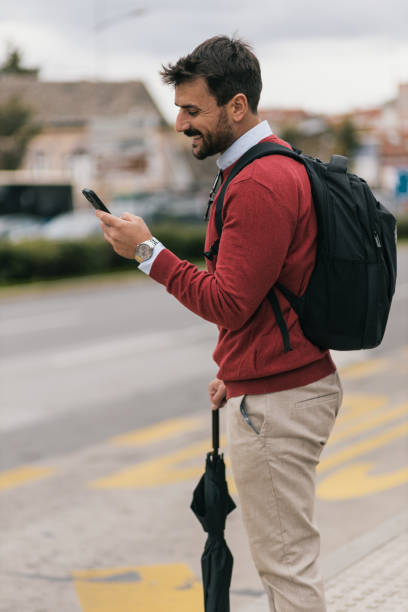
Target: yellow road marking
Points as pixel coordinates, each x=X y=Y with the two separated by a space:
x=362 y=447
x=163 y=470
x=365 y=368
x=159 y=431
x=22 y=475
x=370 y=423
x=158 y=588
x=171 y=468
x=356 y=481
x=355 y=405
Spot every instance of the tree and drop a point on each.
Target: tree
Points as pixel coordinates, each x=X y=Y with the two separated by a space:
x=293 y=135
x=16 y=120
x=13 y=64
x=16 y=130
x=346 y=138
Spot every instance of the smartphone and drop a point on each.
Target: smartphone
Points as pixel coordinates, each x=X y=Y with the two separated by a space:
x=95 y=200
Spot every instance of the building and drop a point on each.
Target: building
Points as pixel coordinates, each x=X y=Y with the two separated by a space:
x=105 y=135
x=382 y=132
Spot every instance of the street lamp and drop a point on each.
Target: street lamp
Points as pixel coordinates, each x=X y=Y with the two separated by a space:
x=103 y=24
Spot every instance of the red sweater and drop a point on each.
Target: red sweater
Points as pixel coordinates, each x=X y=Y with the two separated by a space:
x=269 y=234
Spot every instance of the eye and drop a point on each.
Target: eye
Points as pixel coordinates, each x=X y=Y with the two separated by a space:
x=192 y=113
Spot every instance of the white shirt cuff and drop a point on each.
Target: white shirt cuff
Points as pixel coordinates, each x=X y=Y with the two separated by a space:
x=146 y=266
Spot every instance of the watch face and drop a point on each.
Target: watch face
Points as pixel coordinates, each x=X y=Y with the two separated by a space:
x=143 y=252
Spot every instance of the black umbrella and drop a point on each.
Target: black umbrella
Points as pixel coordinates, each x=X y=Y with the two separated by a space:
x=211 y=504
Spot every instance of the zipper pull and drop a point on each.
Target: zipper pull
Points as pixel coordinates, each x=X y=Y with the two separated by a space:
x=377 y=240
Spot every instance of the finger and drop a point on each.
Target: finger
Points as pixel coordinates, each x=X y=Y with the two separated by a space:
x=217 y=403
x=220 y=394
x=126 y=216
x=106 y=230
x=108 y=239
x=217 y=406
x=212 y=391
x=108 y=219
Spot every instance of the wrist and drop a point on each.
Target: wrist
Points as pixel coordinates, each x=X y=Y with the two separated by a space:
x=144 y=250
x=146 y=266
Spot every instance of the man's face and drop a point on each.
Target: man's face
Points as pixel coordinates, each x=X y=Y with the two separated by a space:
x=202 y=119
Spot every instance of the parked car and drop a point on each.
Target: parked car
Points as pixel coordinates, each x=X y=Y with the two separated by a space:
x=20 y=227
x=73 y=225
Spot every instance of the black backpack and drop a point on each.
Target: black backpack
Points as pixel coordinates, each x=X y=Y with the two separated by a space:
x=348 y=298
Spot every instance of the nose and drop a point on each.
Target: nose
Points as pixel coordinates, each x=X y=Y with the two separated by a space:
x=182 y=123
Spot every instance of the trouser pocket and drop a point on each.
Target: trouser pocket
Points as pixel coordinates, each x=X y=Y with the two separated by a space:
x=253 y=415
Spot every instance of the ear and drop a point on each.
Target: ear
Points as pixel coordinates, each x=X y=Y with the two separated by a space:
x=238 y=107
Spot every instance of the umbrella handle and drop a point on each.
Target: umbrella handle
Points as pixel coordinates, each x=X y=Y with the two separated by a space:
x=216 y=430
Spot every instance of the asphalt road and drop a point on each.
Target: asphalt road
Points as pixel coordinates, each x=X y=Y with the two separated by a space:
x=103 y=430
x=79 y=365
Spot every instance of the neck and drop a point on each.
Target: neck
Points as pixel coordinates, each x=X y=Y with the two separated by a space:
x=246 y=124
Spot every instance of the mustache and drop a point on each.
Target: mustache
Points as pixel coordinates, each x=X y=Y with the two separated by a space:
x=191 y=132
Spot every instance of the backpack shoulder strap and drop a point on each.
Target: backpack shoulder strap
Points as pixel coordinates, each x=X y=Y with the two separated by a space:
x=259 y=150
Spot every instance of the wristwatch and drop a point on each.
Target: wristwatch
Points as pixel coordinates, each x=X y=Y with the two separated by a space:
x=144 y=250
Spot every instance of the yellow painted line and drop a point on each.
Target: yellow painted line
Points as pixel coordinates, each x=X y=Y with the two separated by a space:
x=356 y=481
x=157 y=588
x=163 y=470
x=356 y=405
x=167 y=469
x=159 y=431
x=362 y=447
x=365 y=368
x=370 y=423
x=23 y=475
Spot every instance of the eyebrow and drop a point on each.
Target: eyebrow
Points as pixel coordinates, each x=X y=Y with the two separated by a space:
x=186 y=106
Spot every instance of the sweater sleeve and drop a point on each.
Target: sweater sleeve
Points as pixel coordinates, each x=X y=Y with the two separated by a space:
x=257 y=232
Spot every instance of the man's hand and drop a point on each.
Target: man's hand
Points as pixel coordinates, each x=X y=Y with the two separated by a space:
x=124 y=234
x=217 y=393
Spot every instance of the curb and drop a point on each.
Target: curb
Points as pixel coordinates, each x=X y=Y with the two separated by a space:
x=348 y=555
x=364 y=545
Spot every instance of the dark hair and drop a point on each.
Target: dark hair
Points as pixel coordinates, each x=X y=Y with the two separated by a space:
x=228 y=65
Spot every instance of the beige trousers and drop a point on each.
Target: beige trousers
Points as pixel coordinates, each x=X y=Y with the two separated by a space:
x=274 y=442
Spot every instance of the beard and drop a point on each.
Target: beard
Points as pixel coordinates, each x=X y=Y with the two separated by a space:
x=212 y=143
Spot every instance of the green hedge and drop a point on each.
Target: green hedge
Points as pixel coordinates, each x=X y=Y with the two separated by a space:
x=402 y=227
x=34 y=260
x=43 y=259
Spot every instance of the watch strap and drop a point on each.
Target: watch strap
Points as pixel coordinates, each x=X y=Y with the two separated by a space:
x=150 y=242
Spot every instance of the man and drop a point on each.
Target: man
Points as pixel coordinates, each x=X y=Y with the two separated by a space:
x=281 y=405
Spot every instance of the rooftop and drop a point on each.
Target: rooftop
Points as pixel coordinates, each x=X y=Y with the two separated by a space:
x=75 y=102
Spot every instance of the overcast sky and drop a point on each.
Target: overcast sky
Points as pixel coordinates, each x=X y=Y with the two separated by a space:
x=315 y=54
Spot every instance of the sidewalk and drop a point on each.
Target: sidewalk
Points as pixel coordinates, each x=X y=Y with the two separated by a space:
x=370 y=573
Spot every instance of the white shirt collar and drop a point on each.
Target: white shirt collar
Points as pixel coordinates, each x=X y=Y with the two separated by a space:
x=243 y=144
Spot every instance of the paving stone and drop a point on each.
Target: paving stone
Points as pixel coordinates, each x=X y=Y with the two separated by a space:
x=379 y=581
